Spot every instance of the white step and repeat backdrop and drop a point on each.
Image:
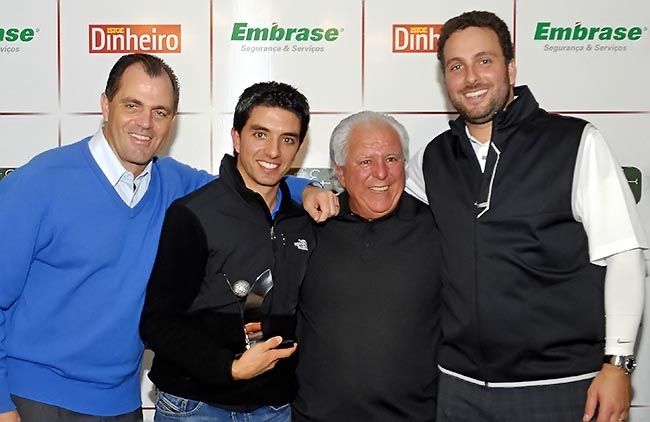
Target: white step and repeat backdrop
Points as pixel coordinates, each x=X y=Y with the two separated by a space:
x=345 y=55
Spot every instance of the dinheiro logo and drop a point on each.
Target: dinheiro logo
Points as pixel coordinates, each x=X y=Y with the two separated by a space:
x=134 y=39
x=411 y=38
x=242 y=32
x=547 y=32
x=17 y=34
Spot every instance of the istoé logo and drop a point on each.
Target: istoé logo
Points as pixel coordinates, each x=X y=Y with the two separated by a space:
x=134 y=39
x=242 y=32
x=547 y=32
x=17 y=34
x=416 y=38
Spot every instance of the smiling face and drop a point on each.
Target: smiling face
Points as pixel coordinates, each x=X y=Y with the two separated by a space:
x=266 y=148
x=373 y=173
x=478 y=81
x=139 y=117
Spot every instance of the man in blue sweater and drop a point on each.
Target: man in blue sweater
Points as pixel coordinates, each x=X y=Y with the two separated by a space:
x=80 y=226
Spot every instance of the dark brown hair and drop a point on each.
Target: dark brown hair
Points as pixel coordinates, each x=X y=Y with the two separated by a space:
x=153 y=66
x=479 y=19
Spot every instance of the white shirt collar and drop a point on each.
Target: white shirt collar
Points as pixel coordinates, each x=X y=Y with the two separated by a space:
x=480 y=148
x=115 y=171
x=474 y=140
x=108 y=161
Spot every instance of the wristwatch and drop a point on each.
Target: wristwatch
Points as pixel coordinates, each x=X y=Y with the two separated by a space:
x=627 y=362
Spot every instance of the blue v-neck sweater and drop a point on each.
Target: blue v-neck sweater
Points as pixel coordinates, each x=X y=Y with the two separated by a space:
x=74 y=263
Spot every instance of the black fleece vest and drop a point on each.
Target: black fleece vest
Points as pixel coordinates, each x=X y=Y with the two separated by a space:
x=521 y=301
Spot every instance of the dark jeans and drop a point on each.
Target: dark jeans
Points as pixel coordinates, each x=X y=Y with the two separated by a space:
x=32 y=411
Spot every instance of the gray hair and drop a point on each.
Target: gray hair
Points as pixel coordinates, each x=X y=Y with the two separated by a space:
x=341 y=133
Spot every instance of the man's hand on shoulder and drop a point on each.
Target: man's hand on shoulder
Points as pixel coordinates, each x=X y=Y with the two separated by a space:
x=11 y=416
x=611 y=393
x=321 y=204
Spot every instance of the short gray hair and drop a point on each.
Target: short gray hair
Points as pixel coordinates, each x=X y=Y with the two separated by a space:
x=341 y=133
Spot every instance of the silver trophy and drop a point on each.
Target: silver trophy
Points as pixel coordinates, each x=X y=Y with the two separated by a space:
x=251 y=297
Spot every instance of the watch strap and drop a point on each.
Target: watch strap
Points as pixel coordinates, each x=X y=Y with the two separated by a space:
x=627 y=362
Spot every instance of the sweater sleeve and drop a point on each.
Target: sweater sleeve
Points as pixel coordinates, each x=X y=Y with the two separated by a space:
x=22 y=207
x=297 y=185
x=174 y=284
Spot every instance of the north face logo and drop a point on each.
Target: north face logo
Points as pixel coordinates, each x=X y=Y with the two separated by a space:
x=301 y=244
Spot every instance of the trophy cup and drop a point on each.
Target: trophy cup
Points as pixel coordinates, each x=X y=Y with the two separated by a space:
x=250 y=300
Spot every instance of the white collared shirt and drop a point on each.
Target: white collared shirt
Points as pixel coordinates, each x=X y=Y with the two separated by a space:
x=130 y=189
x=480 y=148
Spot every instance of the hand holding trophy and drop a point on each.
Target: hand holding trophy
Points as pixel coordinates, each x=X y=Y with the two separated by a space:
x=251 y=297
x=265 y=356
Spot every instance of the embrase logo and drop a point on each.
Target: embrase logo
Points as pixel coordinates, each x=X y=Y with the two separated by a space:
x=134 y=39
x=242 y=32
x=416 y=38
x=17 y=34
x=547 y=32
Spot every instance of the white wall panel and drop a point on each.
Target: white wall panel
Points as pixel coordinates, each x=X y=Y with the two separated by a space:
x=28 y=45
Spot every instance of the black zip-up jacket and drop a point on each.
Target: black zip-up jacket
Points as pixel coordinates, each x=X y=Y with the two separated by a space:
x=192 y=320
x=521 y=300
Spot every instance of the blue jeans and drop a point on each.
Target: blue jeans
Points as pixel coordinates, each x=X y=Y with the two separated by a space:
x=170 y=408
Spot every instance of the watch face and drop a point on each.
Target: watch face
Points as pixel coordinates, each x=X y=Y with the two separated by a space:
x=629 y=364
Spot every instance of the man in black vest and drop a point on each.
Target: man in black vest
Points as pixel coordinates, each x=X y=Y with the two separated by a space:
x=540 y=240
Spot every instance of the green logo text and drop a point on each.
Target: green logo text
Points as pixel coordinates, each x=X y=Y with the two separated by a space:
x=241 y=32
x=545 y=31
x=17 y=34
